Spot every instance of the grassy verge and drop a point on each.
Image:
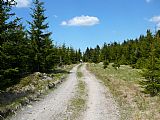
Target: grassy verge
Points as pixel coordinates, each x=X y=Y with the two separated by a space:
x=79 y=73
x=77 y=104
x=123 y=84
x=29 y=89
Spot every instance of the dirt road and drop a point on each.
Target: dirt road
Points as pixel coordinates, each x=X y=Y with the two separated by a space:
x=100 y=104
x=53 y=106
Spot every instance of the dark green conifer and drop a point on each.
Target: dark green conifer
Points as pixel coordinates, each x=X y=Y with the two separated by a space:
x=40 y=38
x=13 y=46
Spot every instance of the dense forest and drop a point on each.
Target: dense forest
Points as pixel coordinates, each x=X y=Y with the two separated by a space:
x=25 y=51
x=142 y=53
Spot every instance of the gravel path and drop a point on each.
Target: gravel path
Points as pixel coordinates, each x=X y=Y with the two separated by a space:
x=101 y=105
x=54 y=105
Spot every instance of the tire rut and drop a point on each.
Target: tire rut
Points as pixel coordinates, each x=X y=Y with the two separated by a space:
x=100 y=105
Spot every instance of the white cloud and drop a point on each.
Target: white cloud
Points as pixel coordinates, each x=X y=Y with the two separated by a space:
x=23 y=3
x=148 y=1
x=81 y=21
x=64 y=23
x=156 y=20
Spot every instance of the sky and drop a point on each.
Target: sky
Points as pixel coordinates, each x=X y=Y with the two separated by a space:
x=86 y=23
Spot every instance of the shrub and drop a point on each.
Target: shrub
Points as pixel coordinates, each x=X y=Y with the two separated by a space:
x=105 y=64
x=116 y=65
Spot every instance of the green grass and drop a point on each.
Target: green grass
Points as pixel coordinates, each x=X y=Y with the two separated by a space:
x=77 y=104
x=79 y=74
x=124 y=85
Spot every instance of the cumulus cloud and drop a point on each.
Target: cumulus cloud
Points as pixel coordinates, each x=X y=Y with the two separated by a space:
x=81 y=21
x=23 y=3
x=156 y=20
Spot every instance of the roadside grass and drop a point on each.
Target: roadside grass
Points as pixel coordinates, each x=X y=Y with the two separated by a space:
x=78 y=103
x=29 y=89
x=124 y=85
x=79 y=73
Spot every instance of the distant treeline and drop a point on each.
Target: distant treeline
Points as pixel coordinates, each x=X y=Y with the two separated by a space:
x=142 y=53
x=25 y=51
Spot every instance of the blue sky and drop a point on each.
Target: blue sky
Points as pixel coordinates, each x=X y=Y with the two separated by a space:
x=86 y=23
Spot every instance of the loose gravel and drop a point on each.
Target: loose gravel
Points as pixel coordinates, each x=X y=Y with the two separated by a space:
x=54 y=105
x=101 y=105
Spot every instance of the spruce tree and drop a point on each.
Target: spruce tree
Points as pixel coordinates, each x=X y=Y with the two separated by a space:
x=79 y=55
x=151 y=74
x=105 y=64
x=13 y=52
x=86 y=55
x=40 y=38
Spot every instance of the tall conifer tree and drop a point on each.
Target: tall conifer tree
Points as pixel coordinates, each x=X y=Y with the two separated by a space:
x=40 y=38
x=12 y=45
